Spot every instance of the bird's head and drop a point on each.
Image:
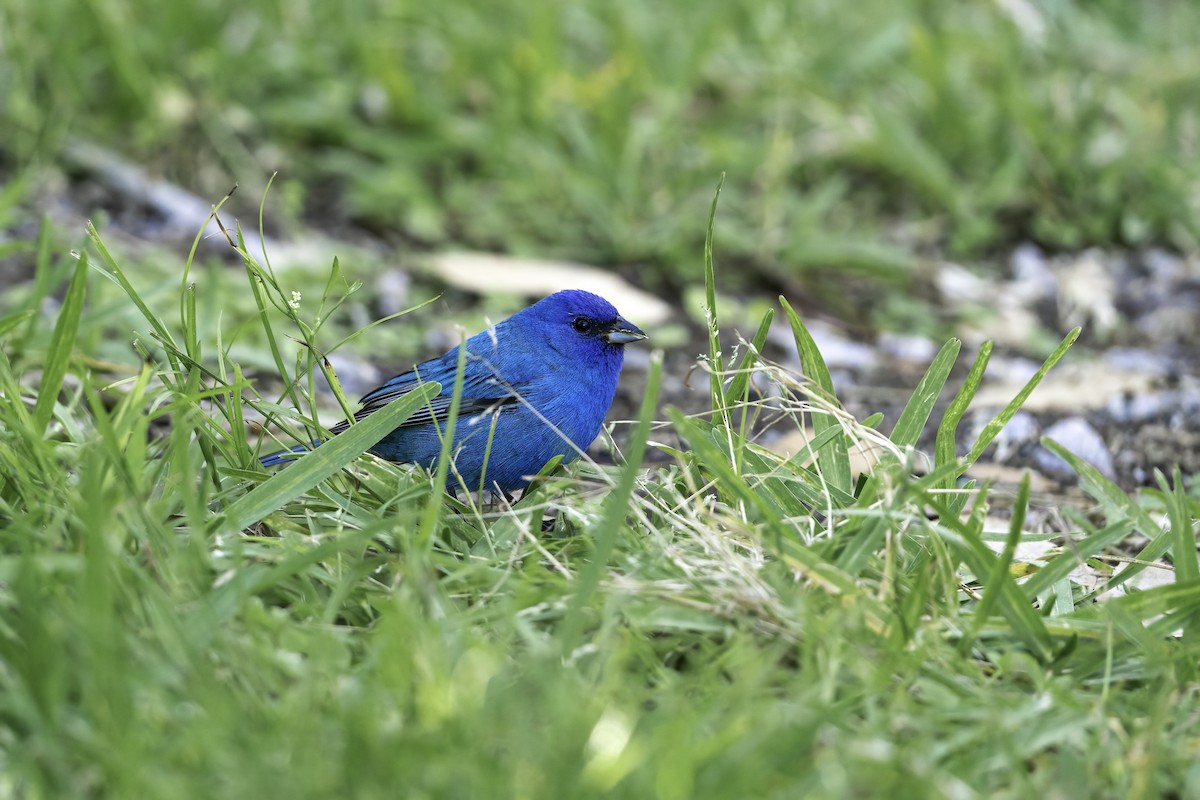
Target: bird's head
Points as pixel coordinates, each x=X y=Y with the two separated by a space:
x=583 y=322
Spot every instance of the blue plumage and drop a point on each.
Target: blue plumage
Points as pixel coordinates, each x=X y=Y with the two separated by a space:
x=543 y=379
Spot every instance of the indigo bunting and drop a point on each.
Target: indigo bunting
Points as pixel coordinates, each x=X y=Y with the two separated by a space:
x=538 y=384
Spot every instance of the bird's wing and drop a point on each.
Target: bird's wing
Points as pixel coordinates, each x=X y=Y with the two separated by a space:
x=484 y=390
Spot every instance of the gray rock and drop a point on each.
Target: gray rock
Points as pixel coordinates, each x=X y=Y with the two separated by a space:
x=1175 y=321
x=957 y=285
x=1137 y=359
x=840 y=351
x=1163 y=266
x=1010 y=371
x=1078 y=436
x=1032 y=275
x=1021 y=430
x=1135 y=408
x=908 y=347
x=391 y=292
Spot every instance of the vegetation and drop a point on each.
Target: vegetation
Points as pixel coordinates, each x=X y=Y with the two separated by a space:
x=706 y=618
x=733 y=623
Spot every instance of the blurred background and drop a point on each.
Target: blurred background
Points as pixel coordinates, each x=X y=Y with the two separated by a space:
x=901 y=170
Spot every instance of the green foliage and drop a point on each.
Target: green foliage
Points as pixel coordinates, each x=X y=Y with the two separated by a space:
x=735 y=623
x=592 y=129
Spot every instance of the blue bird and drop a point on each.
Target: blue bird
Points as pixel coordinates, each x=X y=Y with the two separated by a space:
x=538 y=384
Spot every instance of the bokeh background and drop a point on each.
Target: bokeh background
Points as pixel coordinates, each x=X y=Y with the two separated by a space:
x=854 y=139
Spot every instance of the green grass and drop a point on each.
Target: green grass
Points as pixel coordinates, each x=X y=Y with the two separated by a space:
x=854 y=141
x=176 y=622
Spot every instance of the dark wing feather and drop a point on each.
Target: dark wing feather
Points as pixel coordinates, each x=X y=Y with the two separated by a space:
x=483 y=393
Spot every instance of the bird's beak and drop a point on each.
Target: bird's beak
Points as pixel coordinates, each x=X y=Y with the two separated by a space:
x=624 y=332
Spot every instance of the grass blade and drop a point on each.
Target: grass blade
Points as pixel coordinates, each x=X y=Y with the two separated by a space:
x=12 y=321
x=710 y=312
x=1016 y=608
x=1121 y=506
x=741 y=378
x=1183 y=529
x=834 y=458
x=62 y=342
x=994 y=582
x=944 y=448
x=616 y=507
x=993 y=428
x=1077 y=553
x=916 y=412
x=316 y=466
x=433 y=509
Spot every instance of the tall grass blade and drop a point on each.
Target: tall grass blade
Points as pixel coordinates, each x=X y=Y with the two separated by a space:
x=916 y=412
x=319 y=464
x=616 y=508
x=62 y=343
x=834 y=458
x=1183 y=528
x=719 y=404
x=995 y=581
x=945 y=450
x=997 y=423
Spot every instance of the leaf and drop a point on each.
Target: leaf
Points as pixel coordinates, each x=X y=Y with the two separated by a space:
x=616 y=508
x=995 y=581
x=741 y=378
x=710 y=311
x=314 y=467
x=1064 y=563
x=916 y=412
x=1016 y=608
x=1183 y=553
x=997 y=423
x=834 y=458
x=944 y=448
x=1119 y=505
x=62 y=342
x=13 y=320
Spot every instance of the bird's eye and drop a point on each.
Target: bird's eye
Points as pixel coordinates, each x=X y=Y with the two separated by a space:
x=582 y=324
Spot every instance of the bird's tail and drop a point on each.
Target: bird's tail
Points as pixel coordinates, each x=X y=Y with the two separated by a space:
x=284 y=456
